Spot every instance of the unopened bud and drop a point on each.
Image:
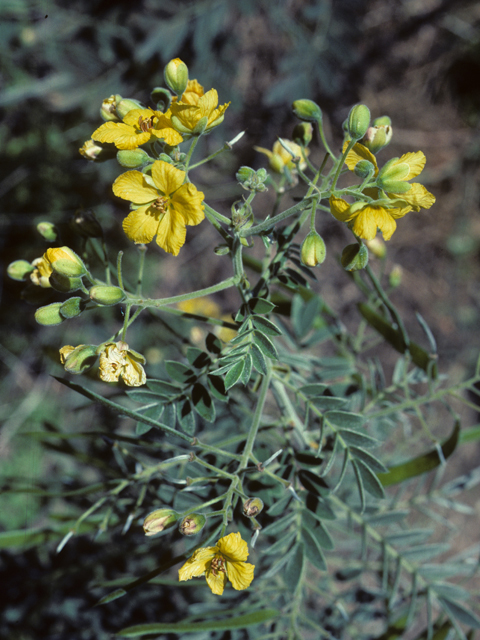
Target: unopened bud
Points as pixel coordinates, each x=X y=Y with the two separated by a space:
x=64 y=284
x=78 y=359
x=395 y=277
x=176 y=76
x=307 y=110
x=160 y=520
x=222 y=250
x=313 y=250
x=72 y=307
x=383 y=121
x=133 y=159
x=377 y=247
x=302 y=133
x=162 y=98
x=393 y=176
x=358 y=121
x=85 y=223
x=252 y=180
x=106 y=295
x=252 y=507
x=19 y=270
x=108 y=110
x=354 y=257
x=97 y=151
x=49 y=315
x=376 y=138
x=127 y=104
x=48 y=231
x=364 y=168
x=66 y=262
x=192 y=524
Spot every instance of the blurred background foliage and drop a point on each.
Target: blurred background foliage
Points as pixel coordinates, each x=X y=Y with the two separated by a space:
x=417 y=61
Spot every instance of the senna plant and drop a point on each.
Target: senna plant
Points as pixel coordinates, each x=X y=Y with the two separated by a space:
x=278 y=471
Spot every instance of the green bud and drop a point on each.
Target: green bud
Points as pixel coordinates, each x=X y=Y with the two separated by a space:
x=133 y=159
x=252 y=507
x=358 y=121
x=72 y=308
x=106 y=295
x=364 y=168
x=395 y=277
x=376 y=138
x=383 y=121
x=162 y=98
x=176 y=76
x=392 y=177
x=313 y=250
x=126 y=105
x=108 y=110
x=48 y=231
x=252 y=180
x=307 y=110
x=192 y=524
x=166 y=158
x=64 y=284
x=78 y=359
x=19 y=270
x=354 y=257
x=302 y=133
x=49 y=315
x=159 y=520
x=85 y=223
x=222 y=250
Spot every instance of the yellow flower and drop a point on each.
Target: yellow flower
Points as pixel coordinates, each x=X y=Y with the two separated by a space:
x=42 y=272
x=359 y=152
x=279 y=158
x=199 y=113
x=164 y=205
x=225 y=560
x=192 y=93
x=117 y=360
x=364 y=218
x=138 y=127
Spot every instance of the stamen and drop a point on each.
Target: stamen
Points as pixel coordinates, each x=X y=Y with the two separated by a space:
x=144 y=124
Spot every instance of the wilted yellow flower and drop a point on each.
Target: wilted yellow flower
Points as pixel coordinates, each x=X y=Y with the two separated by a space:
x=279 y=158
x=138 y=127
x=364 y=218
x=225 y=560
x=117 y=360
x=164 y=205
x=198 y=113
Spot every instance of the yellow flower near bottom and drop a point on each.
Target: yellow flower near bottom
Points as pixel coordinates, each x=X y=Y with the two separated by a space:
x=118 y=361
x=225 y=560
x=365 y=218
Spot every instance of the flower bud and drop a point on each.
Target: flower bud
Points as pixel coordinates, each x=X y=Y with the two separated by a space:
x=364 y=168
x=159 y=520
x=221 y=250
x=192 y=524
x=48 y=231
x=302 y=133
x=49 y=315
x=19 y=270
x=108 y=110
x=64 y=284
x=78 y=359
x=252 y=507
x=393 y=175
x=72 y=307
x=307 y=110
x=66 y=262
x=358 y=121
x=176 y=76
x=377 y=247
x=383 y=121
x=85 y=223
x=162 y=98
x=133 y=159
x=313 y=250
x=127 y=104
x=395 y=277
x=96 y=151
x=106 y=295
x=252 y=180
x=354 y=257
x=376 y=138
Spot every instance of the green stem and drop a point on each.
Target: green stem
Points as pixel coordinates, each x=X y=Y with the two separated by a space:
x=341 y=162
x=125 y=322
x=190 y=152
x=119 y=269
x=143 y=250
x=216 y=215
x=271 y=222
x=323 y=139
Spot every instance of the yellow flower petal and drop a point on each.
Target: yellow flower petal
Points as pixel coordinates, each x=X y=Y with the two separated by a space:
x=188 y=201
x=133 y=186
x=134 y=115
x=133 y=373
x=122 y=135
x=166 y=177
x=340 y=209
x=233 y=547
x=197 y=564
x=216 y=581
x=171 y=232
x=141 y=225
x=415 y=160
x=111 y=363
x=359 y=152
x=240 y=574
x=364 y=224
x=164 y=130
x=417 y=197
